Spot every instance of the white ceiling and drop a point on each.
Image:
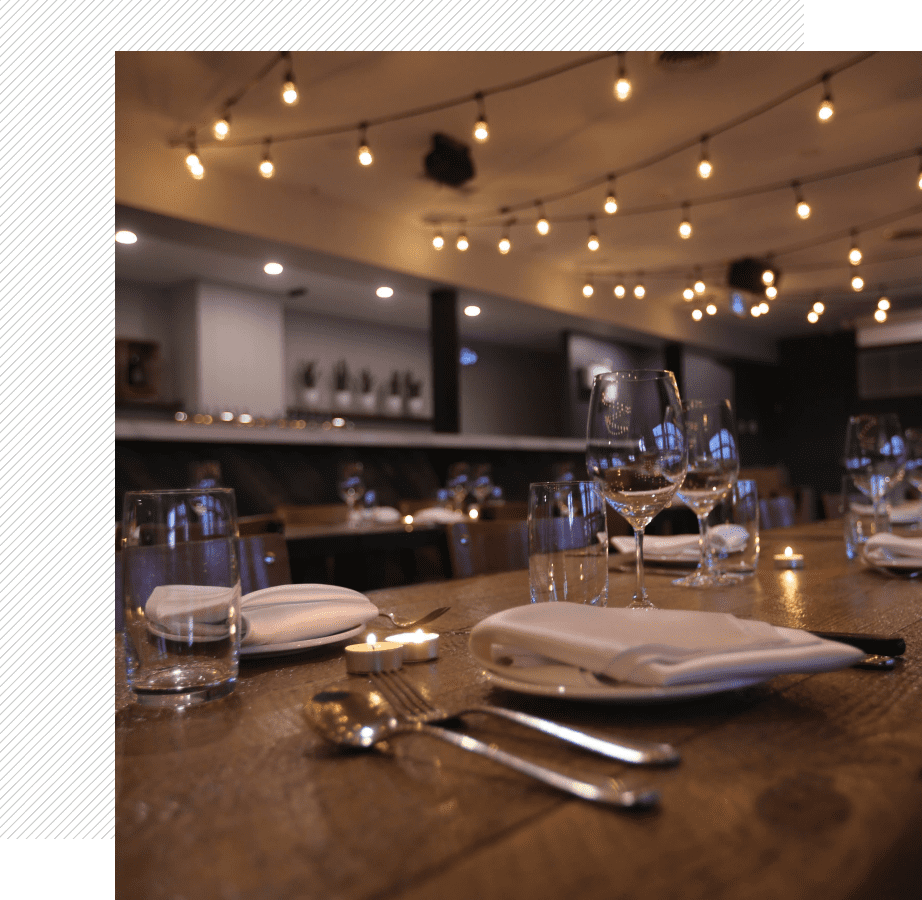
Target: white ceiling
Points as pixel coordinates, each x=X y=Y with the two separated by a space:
x=341 y=229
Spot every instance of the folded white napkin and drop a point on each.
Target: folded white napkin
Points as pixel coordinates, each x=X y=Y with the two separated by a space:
x=647 y=646
x=284 y=614
x=899 y=513
x=382 y=515
x=891 y=549
x=438 y=515
x=684 y=547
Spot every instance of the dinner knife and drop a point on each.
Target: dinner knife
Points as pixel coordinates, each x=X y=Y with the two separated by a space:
x=875 y=644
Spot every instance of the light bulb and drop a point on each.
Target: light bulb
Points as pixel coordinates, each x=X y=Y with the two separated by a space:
x=462 y=242
x=704 y=166
x=812 y=317
x=818 y=308
x=365 y=157
x=639 y=291
x=472 y=311
x=768 y=277
x=438 y=241
x=688 y=293
x=481 y=131
x=857 y=283
x=710 y=309
x=803 y=209
x=620 y=291
x=685 y=229
x=881 y=315
x=854 y=256
x=221 y=127
x=763 y=307
x=273 y=268
x=125 y=237
x=593 y=242
x=194 y=164
x=588 y=290
x=771 y=292
x=384 y=292
x=266 y=169
x=611 y=204
x=826 y=110
x=756 y=311
x=542 y=226
x=699 y=287
x=697 y=315
x=289 y=91
x=883 y=303
x=622 y=88
x=505 y=245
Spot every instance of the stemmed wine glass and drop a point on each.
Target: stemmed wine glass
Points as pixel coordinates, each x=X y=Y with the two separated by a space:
x=482 y=484
x=875 y=456
x=636 y=448
x=914 y=457
x=457 y=483
x=351 y=486
x=713 y=467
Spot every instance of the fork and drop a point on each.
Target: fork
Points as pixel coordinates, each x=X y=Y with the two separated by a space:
x=412 y=623
x=404 y=697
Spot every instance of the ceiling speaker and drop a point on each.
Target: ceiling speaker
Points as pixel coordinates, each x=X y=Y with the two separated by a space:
x=449 y=161
x=746 y=275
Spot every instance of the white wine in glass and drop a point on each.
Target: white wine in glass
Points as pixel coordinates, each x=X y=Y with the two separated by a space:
x=713 y=467
x=636 y=449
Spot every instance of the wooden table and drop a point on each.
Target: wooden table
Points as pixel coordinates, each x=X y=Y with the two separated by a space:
x=800 y=787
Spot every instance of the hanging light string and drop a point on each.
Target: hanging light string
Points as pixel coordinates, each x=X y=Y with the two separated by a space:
x=474 y=98
x=719 y=266
x=687 y=144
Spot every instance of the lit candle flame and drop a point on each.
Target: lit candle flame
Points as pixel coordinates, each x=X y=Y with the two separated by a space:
x=788 y=551
x=371 y=639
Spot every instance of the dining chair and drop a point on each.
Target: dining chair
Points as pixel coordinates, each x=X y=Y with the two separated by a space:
x=482 y=547
x=777 y=512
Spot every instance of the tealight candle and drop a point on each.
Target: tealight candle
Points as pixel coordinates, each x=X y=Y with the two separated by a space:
x=373 y=656
x=789 y=559
x=417 y=647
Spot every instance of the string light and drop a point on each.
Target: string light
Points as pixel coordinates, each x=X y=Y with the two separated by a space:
x=802 y=207
x=883 y=303
x=462 y=243
x=620 y=289
x=289 y=90
x=826 y=110
x=818 y=308
x=697 y=315
x=193 y=161
x=700 y=286
x=481 y=131
x=755 y=311
x=854 y=255
x=611 y=201
x=710 y=309
x=919 y=181
x=266 y=168
x=763 y=308
x=812 y=317
x=505 y=245
x=857 y=282
x=880 y=315
x=365 y=157
x=639 y=289
x=704 y=166
x=542 y=226
x=771 y=292
x=623 y=84
x=593 y=242
x=221 y=127
x=588 y=289
x=438 y=241
x=768 y=276
x=689 y=292
x=685 y=228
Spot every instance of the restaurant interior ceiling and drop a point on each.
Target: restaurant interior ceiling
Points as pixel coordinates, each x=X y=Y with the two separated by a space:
x=561 y=144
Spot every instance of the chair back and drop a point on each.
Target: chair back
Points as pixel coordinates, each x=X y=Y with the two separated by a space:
x=776 y=512
x=483 y=547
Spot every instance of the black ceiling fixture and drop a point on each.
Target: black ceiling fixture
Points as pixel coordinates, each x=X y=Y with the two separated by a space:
x=449 y=162
x=746 y=275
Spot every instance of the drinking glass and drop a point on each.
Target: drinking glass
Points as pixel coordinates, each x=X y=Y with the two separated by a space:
x=351 y=486
x=733 y=529
x=181 y=594
x=860 y=519
x=457 y=483
x=713 y=466
x=913 y=438
x=875 y=456
x=482 y=484
x=636 y=449
x=567 y=543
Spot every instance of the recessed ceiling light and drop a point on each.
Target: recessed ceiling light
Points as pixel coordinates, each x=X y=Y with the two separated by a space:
x=126 y=237
x=272 y=268
x=472 y=310
x=384 y=292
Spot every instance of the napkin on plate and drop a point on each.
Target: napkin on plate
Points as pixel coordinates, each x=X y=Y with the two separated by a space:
x=382 y=515
x=285 y=614
x=438 y=515
x=647 y=646
x=892 y=549
x=684 y=547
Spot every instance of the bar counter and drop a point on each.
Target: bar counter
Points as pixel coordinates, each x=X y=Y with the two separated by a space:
x=803 y=786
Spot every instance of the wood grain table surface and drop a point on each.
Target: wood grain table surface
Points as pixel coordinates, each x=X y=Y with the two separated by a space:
x=804 y=786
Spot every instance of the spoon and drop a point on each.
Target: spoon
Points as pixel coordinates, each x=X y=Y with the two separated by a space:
x=412 y=623
x=360 y=720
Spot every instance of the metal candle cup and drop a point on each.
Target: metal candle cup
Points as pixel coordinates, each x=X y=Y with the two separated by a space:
x=789 y=559
x=417 y=647
x=373 y=656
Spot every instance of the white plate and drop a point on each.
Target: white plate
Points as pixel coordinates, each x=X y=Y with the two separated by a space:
x=577 y=684
x=297 y=646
